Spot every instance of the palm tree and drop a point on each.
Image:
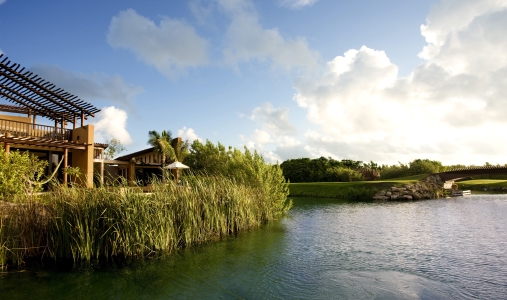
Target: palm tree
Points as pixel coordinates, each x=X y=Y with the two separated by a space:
x=181 y=149
x=162 y=144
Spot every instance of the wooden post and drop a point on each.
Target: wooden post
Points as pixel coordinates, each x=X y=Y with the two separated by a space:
x=34 y=132
x=56 y=128
x=82 y=118
x=75 y=121
x=7 y=147
x=132 y=172
x=102 y=173
x=65 y=162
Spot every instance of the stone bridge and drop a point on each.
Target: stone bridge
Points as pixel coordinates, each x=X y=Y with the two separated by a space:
x=467 y=172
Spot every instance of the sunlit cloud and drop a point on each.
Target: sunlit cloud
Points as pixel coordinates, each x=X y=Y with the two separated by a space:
x=188 y=134
x=296 y=4
x=450 y=108
x=171 y=47
x=111 y=122
x=248 y=40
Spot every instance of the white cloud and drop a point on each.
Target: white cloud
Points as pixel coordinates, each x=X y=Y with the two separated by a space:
x=201 y=12
x=257 y=140
x=248 y=40
x=91 y=86
x=2 y=1
x=188 y=134
x=170 y=47
x=296 y=4
x=111 y=122
x=451 y=108
x=276 y=129
x=275 y=120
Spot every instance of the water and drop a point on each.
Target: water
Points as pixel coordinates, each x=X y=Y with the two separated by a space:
x=325 y=249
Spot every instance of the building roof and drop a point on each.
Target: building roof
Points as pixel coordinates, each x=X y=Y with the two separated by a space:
x=128 y=157
x=30 y=93
x=100 y=145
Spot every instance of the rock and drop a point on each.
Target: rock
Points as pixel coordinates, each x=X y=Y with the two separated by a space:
x=380 y=198
x=394 y=197
x=405 y=197
x=416 y=196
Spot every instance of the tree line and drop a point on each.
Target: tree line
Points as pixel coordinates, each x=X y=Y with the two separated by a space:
x=331 y=170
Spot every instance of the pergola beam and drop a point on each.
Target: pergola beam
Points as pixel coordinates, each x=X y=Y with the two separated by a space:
x=36 y=95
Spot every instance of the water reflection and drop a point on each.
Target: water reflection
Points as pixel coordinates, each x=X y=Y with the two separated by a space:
x=325 y=248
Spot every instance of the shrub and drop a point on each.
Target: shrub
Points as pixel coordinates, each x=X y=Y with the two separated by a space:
x=343 y=174
x=20 y=173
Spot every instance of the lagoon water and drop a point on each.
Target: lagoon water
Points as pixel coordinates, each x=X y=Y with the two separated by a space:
x=324 y=249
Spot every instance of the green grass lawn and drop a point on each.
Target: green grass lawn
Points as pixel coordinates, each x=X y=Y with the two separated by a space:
x=483 y=185
x=356 y=189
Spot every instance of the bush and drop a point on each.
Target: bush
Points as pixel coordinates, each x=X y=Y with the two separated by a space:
x=341 y=174
x=20 y=173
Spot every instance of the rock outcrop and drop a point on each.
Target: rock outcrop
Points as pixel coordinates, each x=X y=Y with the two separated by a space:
x=429 y=188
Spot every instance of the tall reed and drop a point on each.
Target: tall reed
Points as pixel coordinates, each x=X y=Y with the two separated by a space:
x=88 y=225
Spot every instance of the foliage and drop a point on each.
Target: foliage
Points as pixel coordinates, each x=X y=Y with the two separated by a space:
x=394 y=171
x=415 y=167
x=20 y=173
x=114 y=148
x=162 y=144
x=341 y=174
x=181 y=150
x=74 y=172
x=246 y=168
x=323 y=169
x=89 y=225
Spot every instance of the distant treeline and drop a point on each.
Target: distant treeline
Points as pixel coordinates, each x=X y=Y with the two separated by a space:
x=325 y=170
x=330 y=170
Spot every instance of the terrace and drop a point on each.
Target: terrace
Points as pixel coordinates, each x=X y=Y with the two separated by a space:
x=33 y=96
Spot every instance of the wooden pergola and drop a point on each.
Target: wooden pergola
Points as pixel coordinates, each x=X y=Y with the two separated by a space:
x=32 y=95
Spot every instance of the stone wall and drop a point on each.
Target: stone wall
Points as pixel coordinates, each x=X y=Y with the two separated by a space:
x=429 y=188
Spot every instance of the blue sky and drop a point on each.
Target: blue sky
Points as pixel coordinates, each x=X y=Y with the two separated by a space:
x=386 y=81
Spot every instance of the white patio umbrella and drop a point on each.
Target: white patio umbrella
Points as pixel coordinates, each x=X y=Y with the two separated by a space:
x=176 y=166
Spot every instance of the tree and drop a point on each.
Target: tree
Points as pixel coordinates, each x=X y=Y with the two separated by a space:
x=425 y=166
x=181 y=150
x=114 y=148
x=162 y=144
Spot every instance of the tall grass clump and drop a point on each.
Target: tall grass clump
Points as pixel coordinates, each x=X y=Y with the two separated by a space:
x=98 y=225
x=92 y=225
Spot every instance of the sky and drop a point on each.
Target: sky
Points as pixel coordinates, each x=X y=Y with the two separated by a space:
x=385 y=81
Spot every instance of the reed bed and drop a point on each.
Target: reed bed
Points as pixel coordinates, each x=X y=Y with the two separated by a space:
x=91 y=225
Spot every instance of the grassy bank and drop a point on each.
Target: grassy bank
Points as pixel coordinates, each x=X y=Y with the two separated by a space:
x=347 y=190
x=91 y=225
x=484 y=186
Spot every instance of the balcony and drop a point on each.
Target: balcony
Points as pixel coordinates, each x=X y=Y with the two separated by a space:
x=29 y=130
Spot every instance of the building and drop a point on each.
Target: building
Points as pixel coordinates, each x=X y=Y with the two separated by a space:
x=142 y=165
x=32 y=98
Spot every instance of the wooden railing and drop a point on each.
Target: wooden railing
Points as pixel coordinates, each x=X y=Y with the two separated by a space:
x=22 y=129
x=98 y=153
